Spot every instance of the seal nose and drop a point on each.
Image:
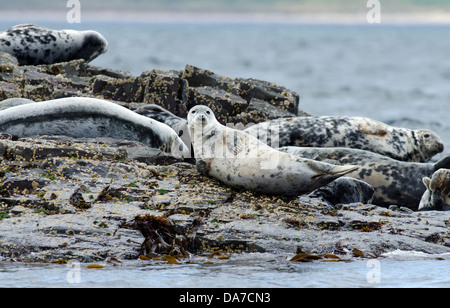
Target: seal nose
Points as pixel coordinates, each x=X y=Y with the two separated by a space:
x=437 y=199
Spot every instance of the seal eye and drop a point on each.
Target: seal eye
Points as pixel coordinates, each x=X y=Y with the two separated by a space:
x=193 y=111
x=427 y=135
x=208 y=112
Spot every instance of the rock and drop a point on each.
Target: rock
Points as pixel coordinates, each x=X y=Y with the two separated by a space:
x=277 y=96
x=198 y=77
x=18 y=210
x=280 y=98
x=166 y=89
x=8 y=90
x=224 y=105
x=234 y=100
x=124 y=90
x=91 y=71
x=260 y=111
x=71 y=69
x=7 y=60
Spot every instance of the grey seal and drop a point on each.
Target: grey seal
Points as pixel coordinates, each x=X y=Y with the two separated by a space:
x=34 y=45
x=437 y=194
x=395 y=182
x=351 y=132
x=345 y=190
x=83 y=117
x=179 y=125
x=242 y=161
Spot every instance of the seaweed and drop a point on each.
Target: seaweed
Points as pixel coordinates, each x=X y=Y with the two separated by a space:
x=305 y=257
x=163 y=239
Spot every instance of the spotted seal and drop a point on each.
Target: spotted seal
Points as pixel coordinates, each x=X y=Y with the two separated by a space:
x=351 y=132
x=83 y=117
x=242 y=161
x=437 y=194
x=34 y=45
x=395 y=182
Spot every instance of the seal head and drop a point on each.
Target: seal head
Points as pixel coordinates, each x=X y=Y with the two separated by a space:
x=429 y=144
x=437 y=195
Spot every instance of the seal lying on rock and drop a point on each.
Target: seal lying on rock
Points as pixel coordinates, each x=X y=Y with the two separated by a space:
x=437 y=195
x=179 y=125
x=351 y=132
x=345 y=190
x=33 y=45
x=395 y=182
x=242 y=161
x=82 y=117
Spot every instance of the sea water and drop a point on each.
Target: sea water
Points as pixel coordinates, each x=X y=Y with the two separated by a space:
x=396 y=74
x=253 y=270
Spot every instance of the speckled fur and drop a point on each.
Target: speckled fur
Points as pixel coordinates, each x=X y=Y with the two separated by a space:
x=395 y=182
x=352 y=132
x=33 y=45
x=242 y=161
x=437 y=194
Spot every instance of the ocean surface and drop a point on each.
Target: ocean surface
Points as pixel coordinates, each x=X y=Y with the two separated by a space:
x=254 y=270
x=398 y=74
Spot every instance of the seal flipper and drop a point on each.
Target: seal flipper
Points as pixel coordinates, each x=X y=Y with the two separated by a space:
x=443 y=163
x=329 y=172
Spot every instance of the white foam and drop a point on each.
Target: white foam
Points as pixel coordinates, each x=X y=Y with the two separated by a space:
x=405 y=255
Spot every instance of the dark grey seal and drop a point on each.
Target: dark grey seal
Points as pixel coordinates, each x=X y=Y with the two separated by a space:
x=395 y=182
x=345 y=190
x=350 y=132
x=34 y=45
x=82 y=117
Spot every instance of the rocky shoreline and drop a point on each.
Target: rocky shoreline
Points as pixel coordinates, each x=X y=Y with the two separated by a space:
x=103 y=199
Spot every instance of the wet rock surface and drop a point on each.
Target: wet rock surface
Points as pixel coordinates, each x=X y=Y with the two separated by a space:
x=65 y=198
x=97 y=199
